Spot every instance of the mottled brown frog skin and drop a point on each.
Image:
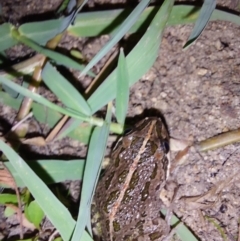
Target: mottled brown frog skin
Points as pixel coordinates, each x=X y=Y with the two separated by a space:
x=127 y=197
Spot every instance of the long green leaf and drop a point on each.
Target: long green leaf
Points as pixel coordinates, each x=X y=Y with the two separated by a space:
x=122 y=30
x=69 y=126
x=41 y=32
x=203 y=18
x=60 y=59
x=8 y=198
x=122 y=89
x=181 y=230
x=51 y=171
x=38 y=98
x=64 y=90
x=140 y=59
x=51 y=117
x=97 y=23
x=6 y=39
x=95 y=155
x=53 y=208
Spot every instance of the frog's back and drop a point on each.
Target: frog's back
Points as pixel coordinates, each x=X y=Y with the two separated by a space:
x=128 y=195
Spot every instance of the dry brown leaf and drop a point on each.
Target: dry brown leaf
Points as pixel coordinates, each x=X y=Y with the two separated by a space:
x=220 y=140
x=56 y=129
x=6 y=179
x=178 y=144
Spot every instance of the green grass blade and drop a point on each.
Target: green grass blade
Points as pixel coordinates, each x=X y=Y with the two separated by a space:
x=69 y=126
x=8 y=198
x=51 y=117
x=106 y=22
x=122 y=89
x=8 y=100
x=64 y=5
x=95 y=155
x=34 y=213
x=203 y=18
x=6 y=39
x=181 y=230
x=58 y=58
x=52 y=207
x=51 y=171
x=41 y=32
x=122 y=30
x=64 y=90
x=139 y=60
x=38 y=98
x=51 y=28
x=225 y=16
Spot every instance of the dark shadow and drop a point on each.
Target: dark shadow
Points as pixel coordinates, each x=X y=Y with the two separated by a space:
x=5 y=125
x=66 y=73
x=6 y=62
x=28 y=154
x=27 y=235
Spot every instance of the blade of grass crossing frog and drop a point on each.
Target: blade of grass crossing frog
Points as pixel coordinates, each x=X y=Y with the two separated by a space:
x=52 y=171
x=139 y=60
x=122 y=89
x=203 y=18
x=6 y=39
x=38 y=98
x=95 y=155
x=60 y=59
x=122 y=30
x=64 y=90
x=52 y=207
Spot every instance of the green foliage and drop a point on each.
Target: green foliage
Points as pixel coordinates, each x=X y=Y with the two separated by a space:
x=149 y=21
x=8 y=212
x=122 y=89
x=34 y=213
x=8 y=198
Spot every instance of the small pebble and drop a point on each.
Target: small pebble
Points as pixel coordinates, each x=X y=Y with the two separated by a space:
x=202 y=71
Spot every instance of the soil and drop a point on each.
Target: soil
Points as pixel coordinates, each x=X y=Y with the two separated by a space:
x=198 y=93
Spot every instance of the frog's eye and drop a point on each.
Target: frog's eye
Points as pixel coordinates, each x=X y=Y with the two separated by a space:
x=165 y=146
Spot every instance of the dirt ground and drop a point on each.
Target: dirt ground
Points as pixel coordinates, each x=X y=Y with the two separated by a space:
x=198 y=93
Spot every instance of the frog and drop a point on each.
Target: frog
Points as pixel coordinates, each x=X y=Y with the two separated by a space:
x=127 y=197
